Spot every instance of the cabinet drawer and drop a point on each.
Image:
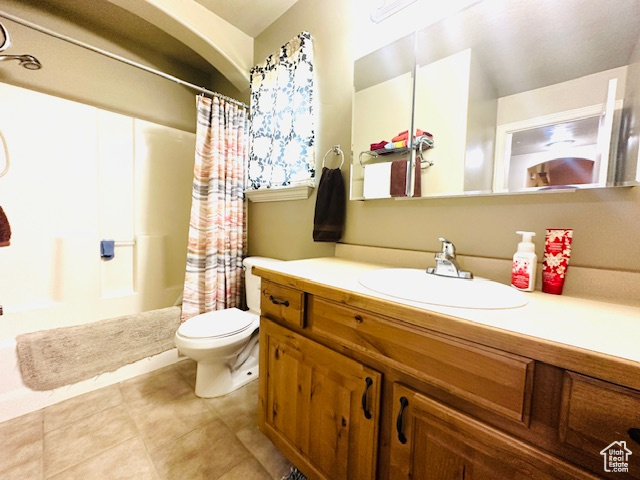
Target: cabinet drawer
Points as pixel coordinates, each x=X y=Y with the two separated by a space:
x=490 y=378
x=595 y=414
x=282 y=303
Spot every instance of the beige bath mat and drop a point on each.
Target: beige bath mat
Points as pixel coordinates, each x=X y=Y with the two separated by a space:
x=52 y=358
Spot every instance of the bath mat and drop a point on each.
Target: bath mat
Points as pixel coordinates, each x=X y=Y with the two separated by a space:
x=294 y=474
x=62 y=356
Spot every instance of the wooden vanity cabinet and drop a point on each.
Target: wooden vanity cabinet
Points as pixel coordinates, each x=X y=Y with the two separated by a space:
x=320 y=408
x=349 y=391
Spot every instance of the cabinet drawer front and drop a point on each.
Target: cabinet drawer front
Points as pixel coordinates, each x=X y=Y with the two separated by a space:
x=282 y=303
x=596 y=414
x=484 y=376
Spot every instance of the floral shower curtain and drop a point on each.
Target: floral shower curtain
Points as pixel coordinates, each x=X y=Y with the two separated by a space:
x=281 y=134
x=217 y=228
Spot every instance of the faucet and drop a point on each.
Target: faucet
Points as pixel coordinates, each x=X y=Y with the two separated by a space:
x=446 y=264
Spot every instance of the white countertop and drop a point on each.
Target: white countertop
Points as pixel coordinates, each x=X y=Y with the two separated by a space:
x=597 y=326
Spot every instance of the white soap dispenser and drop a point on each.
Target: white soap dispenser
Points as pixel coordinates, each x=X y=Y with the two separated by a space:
x=525 y=261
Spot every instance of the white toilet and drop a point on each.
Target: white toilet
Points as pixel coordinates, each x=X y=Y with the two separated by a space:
x=225 y=342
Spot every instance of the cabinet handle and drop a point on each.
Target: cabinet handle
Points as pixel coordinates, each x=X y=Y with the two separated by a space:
x=367 y=413
x=403 y=404
x=275 y=301
x=634 y=434
x=358 y=318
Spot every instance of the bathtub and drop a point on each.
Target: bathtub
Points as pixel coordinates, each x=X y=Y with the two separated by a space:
x=15 y=397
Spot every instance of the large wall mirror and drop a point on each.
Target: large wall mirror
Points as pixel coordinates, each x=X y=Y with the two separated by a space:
x=502 y=97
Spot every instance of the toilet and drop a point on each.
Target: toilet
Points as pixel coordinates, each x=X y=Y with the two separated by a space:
x=224 y=343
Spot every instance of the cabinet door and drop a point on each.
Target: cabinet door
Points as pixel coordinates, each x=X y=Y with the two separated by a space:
x=434 y=442
x=317 y=406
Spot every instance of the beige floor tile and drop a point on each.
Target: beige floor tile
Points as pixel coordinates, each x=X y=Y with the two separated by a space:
x=128 y=460
x=239 y=408
x=21 y=453
x=78 y=441
x=161 y=420
x=164 y=385
x=205 y=453
x=188 y=370
x=76 y=408
x=249 y=469
x=264 y=451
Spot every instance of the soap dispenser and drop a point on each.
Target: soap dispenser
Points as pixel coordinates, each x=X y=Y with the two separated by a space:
x=525 y=261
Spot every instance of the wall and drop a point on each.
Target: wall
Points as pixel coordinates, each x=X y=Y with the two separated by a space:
x=482 y=226
x=81 y=75
x=284 y=229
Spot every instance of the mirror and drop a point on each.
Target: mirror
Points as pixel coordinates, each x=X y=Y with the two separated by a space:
x=519 y=96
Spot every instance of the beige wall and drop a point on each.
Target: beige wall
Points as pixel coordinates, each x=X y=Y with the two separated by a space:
x=81 y=75
x=606 y=223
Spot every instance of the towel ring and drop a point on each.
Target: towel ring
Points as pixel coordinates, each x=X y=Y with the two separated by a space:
x=336 y=150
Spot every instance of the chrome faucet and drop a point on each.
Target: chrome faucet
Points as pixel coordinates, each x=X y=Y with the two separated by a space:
x=446 y=264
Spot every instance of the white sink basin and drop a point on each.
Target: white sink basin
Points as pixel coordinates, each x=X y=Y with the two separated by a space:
x=419 y=286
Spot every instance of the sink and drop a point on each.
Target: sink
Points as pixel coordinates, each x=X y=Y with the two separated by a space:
x=418 y=286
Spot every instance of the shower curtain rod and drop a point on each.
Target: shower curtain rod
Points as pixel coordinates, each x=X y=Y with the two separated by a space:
x=114 y=56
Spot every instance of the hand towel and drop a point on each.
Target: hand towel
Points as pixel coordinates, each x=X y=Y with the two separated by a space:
x=107 y=250
x=378 y=146
x=377 y=180
x=398 y=182
x=328 y=220
x=5 y=230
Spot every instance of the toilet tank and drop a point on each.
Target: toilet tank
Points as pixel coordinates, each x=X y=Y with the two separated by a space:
x=252 y=282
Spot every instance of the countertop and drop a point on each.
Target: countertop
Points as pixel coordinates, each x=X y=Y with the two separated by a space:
x=599 y=327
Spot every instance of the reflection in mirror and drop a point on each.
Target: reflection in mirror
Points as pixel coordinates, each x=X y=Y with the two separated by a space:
x=504 y=70
x=381 y=114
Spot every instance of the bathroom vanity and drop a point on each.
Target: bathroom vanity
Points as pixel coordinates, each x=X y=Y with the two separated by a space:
x=354 y=385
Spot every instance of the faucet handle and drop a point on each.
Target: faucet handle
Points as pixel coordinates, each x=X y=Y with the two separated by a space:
x=448 y=248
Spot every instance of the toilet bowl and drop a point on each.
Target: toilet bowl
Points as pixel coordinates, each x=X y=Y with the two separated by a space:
x=224 y=343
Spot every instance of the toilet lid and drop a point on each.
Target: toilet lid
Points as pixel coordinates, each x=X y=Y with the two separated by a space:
x=219 y=323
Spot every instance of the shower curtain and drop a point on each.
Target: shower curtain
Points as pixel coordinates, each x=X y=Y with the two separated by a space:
x=217 y=227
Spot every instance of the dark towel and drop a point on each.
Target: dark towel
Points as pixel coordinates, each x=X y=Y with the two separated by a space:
x=5 y=230
x=399 y=179
x=107 y=250
x=328 y=220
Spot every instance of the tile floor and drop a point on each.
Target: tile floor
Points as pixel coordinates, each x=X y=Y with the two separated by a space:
x=149 y=427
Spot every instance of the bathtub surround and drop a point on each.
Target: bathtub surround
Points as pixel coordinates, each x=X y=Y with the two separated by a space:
x=217 y=229
x=63 y=356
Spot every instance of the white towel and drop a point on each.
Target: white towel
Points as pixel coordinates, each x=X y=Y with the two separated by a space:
x=377 y=180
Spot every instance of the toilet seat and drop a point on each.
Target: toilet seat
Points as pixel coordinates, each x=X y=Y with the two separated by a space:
x=217 y=324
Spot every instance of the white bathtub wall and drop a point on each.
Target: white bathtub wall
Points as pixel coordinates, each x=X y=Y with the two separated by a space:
x=115 y=200
x=164 y=159
x=80 y=174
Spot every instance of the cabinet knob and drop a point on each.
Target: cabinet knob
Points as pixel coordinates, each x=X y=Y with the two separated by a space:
x=367 y=413
x=275 y=301
x=358 y=318
x=634 y=434
x=403 y=404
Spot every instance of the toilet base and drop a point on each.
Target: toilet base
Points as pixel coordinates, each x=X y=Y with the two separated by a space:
x=215 y=380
